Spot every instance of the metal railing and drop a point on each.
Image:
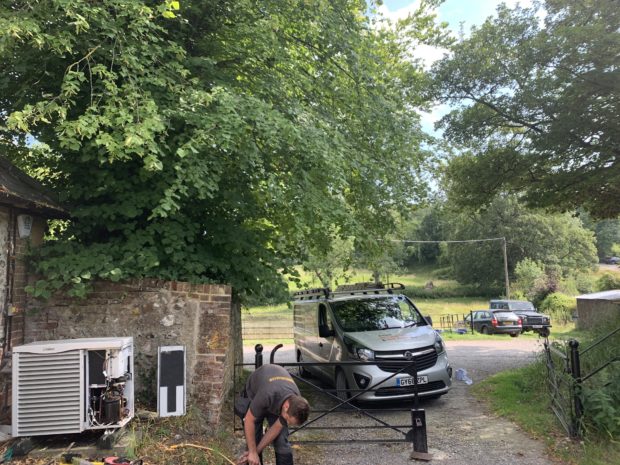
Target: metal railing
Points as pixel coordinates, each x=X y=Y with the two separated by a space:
x=455 y=323
x=413 y=433
x=568 y=367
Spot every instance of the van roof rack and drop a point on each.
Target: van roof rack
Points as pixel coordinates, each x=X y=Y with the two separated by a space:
x=309 y=294
x=348 y=289
x=369 y=288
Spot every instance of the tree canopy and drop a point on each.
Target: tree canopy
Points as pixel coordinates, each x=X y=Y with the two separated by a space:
x=215 y=141
x=559 y=241
x=539 y=96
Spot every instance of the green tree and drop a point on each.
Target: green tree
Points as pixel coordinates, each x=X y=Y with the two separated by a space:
x=331 y=264
x=538 y=107
x=214 y=142
x=557 y=241
x=432 y=227
x=527 y=274
x=607 y=233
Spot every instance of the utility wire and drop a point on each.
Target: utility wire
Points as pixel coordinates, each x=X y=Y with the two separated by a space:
x=449 y=242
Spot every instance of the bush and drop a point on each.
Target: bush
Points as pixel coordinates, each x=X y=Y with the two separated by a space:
x=584 y=283
x=602 y=407
x=561 y=307
x=527 y=272
x=608 y=282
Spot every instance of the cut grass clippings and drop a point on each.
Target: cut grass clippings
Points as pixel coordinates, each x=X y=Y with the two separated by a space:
x=182 y=440
x=520 y=395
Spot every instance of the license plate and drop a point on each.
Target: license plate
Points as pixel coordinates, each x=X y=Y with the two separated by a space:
x=537 y=326
x=508 y=323
x=409 y=381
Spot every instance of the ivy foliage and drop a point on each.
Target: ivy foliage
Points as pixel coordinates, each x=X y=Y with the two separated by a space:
x=211 y=141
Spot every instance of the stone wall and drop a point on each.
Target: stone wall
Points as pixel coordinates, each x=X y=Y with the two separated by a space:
x=155 y=313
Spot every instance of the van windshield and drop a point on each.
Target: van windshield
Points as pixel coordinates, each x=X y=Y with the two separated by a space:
x=375 y=314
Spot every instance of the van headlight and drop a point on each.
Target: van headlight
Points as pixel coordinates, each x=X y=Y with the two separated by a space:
x=439 y=347
x=364 y=354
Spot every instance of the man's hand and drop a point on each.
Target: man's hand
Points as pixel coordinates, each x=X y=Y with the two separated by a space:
x=245 y=458
x=253 y=458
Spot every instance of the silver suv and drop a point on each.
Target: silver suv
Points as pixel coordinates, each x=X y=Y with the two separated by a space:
x=372 y=323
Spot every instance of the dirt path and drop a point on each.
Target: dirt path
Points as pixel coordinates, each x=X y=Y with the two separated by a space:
x=460 y=429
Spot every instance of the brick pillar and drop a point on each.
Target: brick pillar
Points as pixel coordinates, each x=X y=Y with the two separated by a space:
x=214 y=351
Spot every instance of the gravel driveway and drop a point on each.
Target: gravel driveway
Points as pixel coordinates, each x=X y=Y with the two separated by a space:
x=461 y=431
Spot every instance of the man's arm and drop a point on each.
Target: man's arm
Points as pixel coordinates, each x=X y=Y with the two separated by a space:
x=270 y=436
x=249 y=429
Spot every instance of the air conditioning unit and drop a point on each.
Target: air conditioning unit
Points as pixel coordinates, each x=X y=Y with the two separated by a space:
x=72 y=385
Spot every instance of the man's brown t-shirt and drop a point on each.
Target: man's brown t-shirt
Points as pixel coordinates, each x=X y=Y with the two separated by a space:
x=268 y=388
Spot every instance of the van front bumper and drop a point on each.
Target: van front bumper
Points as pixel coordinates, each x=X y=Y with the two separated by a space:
x=383 y=385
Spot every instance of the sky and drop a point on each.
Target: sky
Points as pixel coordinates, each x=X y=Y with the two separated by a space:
x=454 y=12
x=458 y=14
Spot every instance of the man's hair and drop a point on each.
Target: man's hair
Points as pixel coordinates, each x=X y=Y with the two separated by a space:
x=299 y=408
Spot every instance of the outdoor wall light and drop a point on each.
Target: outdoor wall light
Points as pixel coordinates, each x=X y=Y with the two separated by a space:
x=24 y=225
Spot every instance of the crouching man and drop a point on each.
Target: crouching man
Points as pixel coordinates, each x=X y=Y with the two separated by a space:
x=273 y=396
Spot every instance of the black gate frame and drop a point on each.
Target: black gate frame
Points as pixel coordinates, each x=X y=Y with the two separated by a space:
x=565 y=382
x=416 y=434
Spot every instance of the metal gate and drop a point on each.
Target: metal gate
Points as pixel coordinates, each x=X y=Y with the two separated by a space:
x=568 y=368
x=413 y=432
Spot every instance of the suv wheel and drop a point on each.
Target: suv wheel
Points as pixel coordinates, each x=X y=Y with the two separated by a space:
x=514 y=334
x=484 y=330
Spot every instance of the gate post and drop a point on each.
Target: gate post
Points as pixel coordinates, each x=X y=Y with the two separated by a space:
x=575 y=369
x=418 y=425
x=418 y=420
x=258 y=356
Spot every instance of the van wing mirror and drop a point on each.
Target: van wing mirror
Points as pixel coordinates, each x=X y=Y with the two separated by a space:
x=324 y=331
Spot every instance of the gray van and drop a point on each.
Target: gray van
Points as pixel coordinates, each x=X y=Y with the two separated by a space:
x=374 y=323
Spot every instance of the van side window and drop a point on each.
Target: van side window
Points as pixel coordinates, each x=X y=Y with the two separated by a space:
x=324 y=319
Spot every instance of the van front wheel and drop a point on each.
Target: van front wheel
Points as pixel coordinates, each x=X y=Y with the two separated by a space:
x=303 y=371
x=342 y=390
